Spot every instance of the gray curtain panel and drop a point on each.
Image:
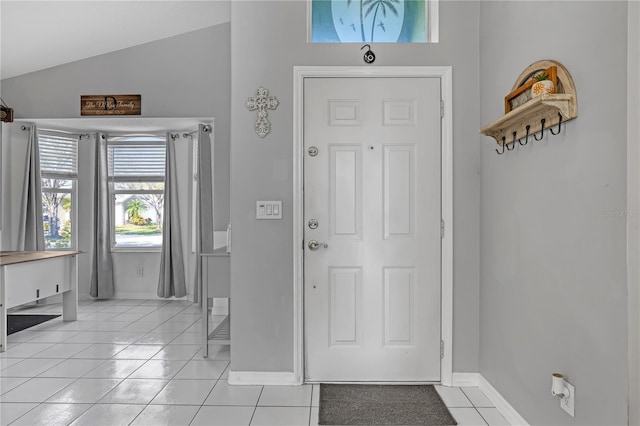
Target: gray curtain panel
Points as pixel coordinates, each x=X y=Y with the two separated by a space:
x=102 y=267
x=205 y=199
x=172 y=281
x=31 y=229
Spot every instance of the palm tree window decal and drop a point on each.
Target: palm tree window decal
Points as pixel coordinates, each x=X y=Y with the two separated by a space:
x=379 y=5
x=367 y=21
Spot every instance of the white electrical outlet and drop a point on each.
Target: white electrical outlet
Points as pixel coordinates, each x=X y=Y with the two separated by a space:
x=568 y=402
x=140 y=271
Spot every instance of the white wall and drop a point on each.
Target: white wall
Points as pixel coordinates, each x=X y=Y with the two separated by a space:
x=181 y=76
x=2 y=184
x=268 y=38
x=553 y=278
x=633 y=207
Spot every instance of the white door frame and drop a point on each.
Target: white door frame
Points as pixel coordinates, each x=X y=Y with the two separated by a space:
x=445 y=75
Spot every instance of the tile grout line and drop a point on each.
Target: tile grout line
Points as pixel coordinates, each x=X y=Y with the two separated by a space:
x=311 y=404
x=255 y=408
x=475 y=406
x=481 y=416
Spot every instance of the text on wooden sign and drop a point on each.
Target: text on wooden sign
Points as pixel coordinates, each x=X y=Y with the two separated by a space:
x=110 y=105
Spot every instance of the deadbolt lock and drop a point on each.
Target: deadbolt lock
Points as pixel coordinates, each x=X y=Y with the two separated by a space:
x=313 y=151
x=313 y=224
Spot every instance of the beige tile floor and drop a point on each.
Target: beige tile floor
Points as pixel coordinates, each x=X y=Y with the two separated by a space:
x=138 y=362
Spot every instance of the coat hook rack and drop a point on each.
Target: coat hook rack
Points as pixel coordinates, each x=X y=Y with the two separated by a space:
x=529 y=114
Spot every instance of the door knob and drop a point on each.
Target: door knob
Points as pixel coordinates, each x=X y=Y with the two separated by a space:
x=314 y=245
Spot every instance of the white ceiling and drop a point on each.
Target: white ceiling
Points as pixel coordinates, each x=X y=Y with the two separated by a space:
x=35 y=35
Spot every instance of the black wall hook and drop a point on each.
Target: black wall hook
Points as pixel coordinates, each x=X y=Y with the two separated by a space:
x=541 y=131
x=512 y=143
x=559 y=126
x=526 y=138
x=503 y=144
x=369 y=56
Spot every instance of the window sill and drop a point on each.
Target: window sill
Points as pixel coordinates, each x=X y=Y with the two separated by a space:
x=136 y=249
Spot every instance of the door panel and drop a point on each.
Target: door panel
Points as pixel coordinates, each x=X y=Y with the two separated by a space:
x=399 y=319
x=372 y=295
x=346 y=190
x=344 y=113
x=399 y=196
x=346 y=302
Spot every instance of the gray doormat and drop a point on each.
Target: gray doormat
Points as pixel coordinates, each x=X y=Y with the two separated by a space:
x=382 y=405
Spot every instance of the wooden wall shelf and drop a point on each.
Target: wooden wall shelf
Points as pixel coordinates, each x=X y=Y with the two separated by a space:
x=547 y=111
x=544 y=107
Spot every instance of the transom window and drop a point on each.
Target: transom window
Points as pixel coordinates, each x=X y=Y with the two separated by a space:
x=373 y=21
x=136 y=183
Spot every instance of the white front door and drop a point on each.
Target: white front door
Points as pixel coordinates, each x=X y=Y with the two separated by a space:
x=372 y=195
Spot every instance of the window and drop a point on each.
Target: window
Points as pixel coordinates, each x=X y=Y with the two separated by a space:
x=59 y=173
x=369 y=21
x=136 y=182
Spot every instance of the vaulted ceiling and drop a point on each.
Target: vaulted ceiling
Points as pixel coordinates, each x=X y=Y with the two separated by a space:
x=35 y=35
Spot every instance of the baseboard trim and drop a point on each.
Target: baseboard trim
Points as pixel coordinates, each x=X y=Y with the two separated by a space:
x=143 y=295
x=477 y=380
x=466 y=379
x=277 y=378
x=507 y=411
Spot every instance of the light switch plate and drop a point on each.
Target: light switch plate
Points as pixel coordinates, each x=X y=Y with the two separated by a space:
x=268 y=210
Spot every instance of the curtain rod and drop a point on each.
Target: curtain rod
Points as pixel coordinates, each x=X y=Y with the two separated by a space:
x=80 y=135
x=207 y=129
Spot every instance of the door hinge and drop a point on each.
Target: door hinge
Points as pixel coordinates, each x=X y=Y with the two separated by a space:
x=441 y=108
x=441 y=228
x=441 y=349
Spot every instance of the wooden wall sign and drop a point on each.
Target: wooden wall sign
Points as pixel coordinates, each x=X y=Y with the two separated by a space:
x=94 y=105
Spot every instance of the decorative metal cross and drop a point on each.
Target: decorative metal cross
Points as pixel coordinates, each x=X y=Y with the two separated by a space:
x=262 y=102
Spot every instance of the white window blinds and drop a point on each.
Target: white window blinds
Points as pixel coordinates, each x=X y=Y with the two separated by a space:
x=136 y=160
x=58 y=155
